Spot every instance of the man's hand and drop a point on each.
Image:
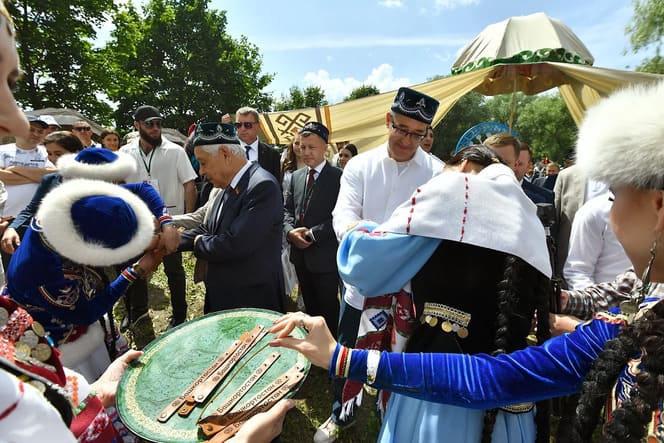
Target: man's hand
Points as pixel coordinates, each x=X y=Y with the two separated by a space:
x=170 y=238
x=10 y=240
x=560 y=324
x=298 y=239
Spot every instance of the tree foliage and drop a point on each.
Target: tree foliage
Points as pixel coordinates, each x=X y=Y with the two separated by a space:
x=309 y=97
x=543 y=121
x=181 y=60
x=362 y=91
x=646 y=31
x=60 y=66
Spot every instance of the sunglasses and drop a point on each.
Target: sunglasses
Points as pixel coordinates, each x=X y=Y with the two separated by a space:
x=213 y=131
x=247 y=125
x=152 y=123
x=81 y=128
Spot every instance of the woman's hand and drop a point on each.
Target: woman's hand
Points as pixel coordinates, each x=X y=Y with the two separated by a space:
x=107 y=385
x=265 y=426
x=318 y=346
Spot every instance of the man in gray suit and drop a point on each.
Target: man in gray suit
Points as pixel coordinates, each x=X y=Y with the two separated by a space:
x=309 y=203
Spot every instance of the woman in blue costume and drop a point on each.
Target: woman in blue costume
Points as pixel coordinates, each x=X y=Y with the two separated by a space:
x=466 y=289
x=619 y=353
x=57 y=273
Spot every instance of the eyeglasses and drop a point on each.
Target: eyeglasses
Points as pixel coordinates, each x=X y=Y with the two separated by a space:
x=152 y=123
x=411 y=135
x=214 y=131
x=81 y=128
x=247 y=125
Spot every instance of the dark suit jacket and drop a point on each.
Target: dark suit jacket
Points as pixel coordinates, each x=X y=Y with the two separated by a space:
x=321 y=256
x=270 y=160
x=242 y=245
x=536 y=193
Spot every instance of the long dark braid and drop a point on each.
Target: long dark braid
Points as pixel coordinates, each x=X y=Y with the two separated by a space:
x=510 y=290
x=505 y=303
x=627 y=422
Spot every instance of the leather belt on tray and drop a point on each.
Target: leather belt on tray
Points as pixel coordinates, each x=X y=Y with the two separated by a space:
x=208 y=380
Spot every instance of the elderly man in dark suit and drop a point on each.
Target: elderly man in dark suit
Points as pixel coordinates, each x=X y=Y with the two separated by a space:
x=246 y=122
x=241 y=239
x=308 y=225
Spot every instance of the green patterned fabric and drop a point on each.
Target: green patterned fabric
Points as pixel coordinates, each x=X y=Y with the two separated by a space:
x=541 y=55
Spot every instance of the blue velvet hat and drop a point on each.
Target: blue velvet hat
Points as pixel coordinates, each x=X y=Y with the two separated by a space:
x=95 y=223
x=415 y=105
x=213 y=133
x=316 y=128
x=97 y=163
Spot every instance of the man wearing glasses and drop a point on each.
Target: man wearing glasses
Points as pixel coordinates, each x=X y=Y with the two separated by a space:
x=373 y=184
x=165 y=166
x=83 y=131
x=246 y=123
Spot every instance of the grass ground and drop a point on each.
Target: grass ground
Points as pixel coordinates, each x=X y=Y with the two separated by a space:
x=313 y=400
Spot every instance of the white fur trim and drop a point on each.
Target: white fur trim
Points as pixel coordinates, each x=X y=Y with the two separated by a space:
x=120 y=169
x=54 y=215
x=621 y=139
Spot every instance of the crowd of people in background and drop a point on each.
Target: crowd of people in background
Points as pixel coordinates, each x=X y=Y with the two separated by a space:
x=415 y=276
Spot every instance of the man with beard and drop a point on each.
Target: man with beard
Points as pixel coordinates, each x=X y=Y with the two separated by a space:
x=165 y=166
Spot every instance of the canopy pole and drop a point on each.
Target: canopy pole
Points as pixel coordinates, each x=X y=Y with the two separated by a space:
x=513 y=104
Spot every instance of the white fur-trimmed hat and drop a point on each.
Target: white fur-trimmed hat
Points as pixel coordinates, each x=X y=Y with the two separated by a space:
x=97 y=163
x=621 y=139
x=95 y=223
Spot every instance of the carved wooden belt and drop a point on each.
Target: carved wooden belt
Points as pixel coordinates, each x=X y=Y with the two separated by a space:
x=216 y=371
x=222 y=425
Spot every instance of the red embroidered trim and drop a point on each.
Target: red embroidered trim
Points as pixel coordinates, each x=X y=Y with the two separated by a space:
x=413 y=200
x=11 y=409
x=465 y=210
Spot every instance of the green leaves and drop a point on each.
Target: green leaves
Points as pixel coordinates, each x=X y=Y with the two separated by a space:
x=646 y=32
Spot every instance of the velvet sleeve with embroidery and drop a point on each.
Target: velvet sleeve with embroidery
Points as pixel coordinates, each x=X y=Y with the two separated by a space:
x=483 y=382
x=398 y=257
x=59 y=293
x=152 y=199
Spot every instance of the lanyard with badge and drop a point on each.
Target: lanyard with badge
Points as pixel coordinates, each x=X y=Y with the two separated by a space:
x=148 y=166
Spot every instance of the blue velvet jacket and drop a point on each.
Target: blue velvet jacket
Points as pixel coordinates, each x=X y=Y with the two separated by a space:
x=59 y=293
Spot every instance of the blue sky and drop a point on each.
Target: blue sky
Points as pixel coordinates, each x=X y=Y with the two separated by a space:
x=341 y=44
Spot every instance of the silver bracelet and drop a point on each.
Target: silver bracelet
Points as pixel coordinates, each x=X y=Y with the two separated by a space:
x=373 y=359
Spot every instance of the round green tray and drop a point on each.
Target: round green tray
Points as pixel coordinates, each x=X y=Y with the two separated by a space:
x=172 y=362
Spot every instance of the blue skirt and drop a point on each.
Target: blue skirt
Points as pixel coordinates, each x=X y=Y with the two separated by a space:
x=411 y=420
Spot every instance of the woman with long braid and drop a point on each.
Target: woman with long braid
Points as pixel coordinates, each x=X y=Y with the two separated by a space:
x=464 y=289
x=620 y=353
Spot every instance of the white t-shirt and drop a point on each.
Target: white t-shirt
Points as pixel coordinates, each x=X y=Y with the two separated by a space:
x=373 y=185
x=18 y=196
x=167 y=168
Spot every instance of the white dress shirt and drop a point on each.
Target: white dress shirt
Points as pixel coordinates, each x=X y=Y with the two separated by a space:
x=595 y=255
x=373 y=185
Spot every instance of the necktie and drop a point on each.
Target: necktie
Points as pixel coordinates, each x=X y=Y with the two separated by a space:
x=247 y=148
x=310 y=180
x=307 y=192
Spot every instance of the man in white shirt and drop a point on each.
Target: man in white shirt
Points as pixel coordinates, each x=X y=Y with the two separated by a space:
x=373 y=184
x=595 y=255
x=165 y=166
x=22 y=166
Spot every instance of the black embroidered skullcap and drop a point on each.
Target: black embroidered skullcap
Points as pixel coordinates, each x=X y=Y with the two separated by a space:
x=214 y=133
x=415 y=105
x=316 y=128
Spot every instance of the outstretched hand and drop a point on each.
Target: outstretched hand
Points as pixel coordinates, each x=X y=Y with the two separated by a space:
x=265 y=426
x=318 y=346
x=107 y=384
